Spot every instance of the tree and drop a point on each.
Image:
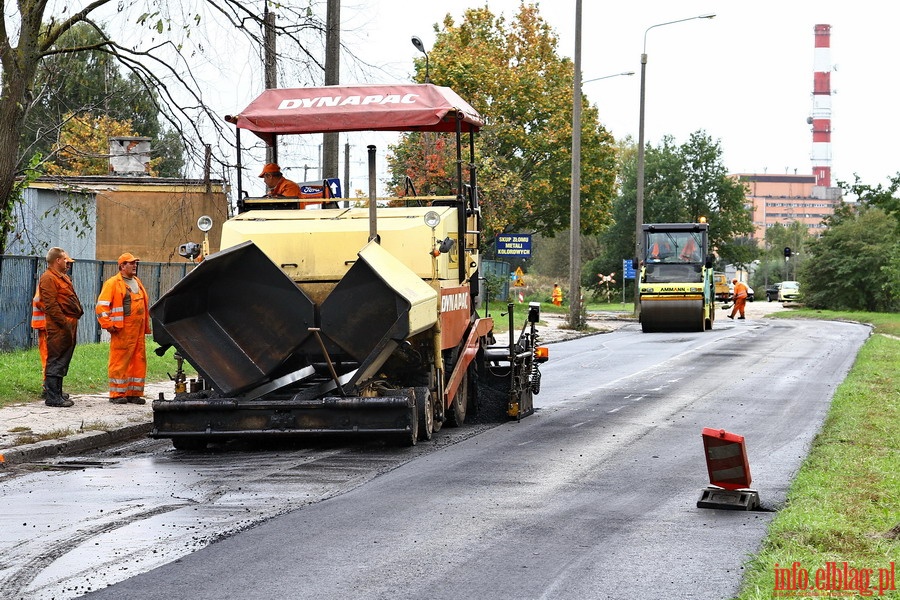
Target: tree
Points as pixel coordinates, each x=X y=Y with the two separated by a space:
x=91 y=82
x=85 y=82
x=681 y=184
x=83 y=147
x=880 y=196
x=853 y=265
x=512 y=74
x=155 y=60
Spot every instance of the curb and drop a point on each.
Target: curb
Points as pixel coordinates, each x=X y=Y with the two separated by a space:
x=82 y=442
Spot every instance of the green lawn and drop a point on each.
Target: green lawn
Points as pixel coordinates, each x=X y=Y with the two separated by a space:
x=501 y=322
x=20 y=371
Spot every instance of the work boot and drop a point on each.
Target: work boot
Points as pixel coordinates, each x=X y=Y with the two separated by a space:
x=44 y=393
x=136 y=400
x=119 y=400
x=730 y=316
x=53 y=385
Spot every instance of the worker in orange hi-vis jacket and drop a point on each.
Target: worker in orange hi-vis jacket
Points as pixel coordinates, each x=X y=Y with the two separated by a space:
x=123 y=310
x=556 y=295
x=39 y=323
x=740 y=298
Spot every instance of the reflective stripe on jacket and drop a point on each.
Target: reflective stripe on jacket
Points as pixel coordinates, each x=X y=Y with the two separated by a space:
x=38 y=318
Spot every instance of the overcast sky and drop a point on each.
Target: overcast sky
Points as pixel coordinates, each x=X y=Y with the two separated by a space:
x=745 y=77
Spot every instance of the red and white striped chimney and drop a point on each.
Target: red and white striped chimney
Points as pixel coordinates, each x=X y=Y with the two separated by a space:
x=821 y=109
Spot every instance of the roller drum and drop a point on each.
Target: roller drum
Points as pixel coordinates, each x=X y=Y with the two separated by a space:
x=681 y=314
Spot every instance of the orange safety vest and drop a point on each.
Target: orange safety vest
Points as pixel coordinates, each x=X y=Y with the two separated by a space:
x=39 y=322
x=125 y=314
x=38 y=318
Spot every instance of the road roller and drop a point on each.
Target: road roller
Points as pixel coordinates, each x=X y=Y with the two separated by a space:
x=677 y=291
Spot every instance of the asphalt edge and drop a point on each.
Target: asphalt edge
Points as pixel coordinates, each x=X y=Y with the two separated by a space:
x=81 y=442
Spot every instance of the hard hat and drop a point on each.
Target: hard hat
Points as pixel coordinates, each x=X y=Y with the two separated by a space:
x=270 y=168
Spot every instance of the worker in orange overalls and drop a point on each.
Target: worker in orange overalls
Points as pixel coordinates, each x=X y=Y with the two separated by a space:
x=740 y=298
x=62 y=309
x=556 y=295
x=123 y=310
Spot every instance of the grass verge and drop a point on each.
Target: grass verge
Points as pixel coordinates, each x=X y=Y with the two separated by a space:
x=20 y=372
x=844 y=504
x=520 y=312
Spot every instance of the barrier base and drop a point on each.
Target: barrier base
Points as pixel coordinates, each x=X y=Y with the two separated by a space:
x=716 y=497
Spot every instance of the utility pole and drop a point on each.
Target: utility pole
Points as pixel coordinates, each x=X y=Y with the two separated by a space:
x=269 y=64
x=346 y=184
x=575 y=198
x=330 y=142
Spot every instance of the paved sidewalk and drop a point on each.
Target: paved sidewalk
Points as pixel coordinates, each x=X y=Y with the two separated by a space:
x=33 y=431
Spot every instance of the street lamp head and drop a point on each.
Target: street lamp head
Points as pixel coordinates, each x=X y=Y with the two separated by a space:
x=417 y=42
x=608 y=76
x=705 y=16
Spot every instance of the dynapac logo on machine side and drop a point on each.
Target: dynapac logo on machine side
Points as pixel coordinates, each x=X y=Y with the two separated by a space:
x=455 y=301
x=320 y=101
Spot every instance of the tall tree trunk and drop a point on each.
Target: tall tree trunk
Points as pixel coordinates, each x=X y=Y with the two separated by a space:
x=12 y=116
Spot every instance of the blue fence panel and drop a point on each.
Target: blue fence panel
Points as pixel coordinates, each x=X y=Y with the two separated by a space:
x=19 y=276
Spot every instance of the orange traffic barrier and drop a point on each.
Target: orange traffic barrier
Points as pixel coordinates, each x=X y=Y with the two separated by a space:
x=729 y=472
x=726 y=459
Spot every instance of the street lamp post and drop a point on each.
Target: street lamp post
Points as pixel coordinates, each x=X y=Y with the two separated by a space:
x=417 y=42
x=639 y=212
x=575 y=308
x=575 y=188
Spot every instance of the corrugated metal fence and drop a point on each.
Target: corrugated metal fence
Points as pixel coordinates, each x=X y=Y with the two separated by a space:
x=19 y=277
x=500 y=271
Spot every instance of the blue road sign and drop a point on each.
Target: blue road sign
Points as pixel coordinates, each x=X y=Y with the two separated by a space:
x=514 y=244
